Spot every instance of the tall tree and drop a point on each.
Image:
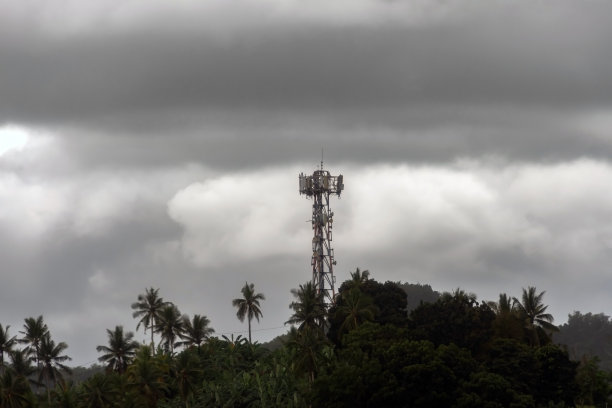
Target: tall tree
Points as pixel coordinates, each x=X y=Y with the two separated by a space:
x=507 y=323
x=120 y=351
x=587 y=335
x=99 y=391
x=64 y=395
x=308 y=307
x=51 y=362
x=21 y=365
x=34 y=330
x=147 y=309
x=308 y=347
x=15 y=391
x=533 y=311
x=248 y=306
x=503 y=306
x=6 y=344
x=170 y=325
x=355 y=309
x=358 y=278
x=195 y=331
x=147 y=377
x=187 y=375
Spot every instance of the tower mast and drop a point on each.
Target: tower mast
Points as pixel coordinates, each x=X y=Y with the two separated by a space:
x=319 y=186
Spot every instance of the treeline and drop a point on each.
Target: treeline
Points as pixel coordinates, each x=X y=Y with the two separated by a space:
x=374 y=347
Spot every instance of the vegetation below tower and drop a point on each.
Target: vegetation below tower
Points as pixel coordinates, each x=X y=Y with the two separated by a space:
x=379 y=345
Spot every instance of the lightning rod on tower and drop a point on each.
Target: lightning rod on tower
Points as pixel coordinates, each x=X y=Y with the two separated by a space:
x=319 y=186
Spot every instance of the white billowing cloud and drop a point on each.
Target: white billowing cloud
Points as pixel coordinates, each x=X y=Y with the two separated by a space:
x=75 y=17
x=29 y=208
x=99 y=281
x=571 y=201
x=12 y=138
x=241 y=216
x=430 y=218
x=103 y=201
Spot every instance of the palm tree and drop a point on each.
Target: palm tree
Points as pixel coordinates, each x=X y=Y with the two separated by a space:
x=34 y=330
x=308 y=350
x=248 y=306
x=187 y=375
x=195 y=331
x=21 y=365
x=15 y=391
x=64 y=395
x=356 y=308
x=147 y=308
x=308 y=308
x=358 y=278
x=507 y=323
x=169 y=325
x=503 y=307
x=147 y=377
x=120 y=351
x=52 y=360
x=6 y=345
x=99 y=390
x=533 y=311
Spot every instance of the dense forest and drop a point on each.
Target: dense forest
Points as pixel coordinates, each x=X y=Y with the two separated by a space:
x=379 y=345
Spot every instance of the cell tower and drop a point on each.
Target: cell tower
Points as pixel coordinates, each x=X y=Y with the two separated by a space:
x=319 y=186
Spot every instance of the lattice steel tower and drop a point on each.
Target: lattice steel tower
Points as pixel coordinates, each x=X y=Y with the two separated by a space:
x=319 y=186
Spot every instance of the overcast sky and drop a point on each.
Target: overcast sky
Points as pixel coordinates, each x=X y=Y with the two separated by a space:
x=158 y=143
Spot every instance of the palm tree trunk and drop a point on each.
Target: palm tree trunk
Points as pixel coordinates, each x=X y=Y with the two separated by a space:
x=48 y=390
x=152 y=343
x=249 y=330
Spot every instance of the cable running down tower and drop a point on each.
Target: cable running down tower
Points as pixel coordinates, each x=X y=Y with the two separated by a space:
x=319 y=186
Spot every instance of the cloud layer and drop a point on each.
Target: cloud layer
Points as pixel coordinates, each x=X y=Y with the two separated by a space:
x=158 y=144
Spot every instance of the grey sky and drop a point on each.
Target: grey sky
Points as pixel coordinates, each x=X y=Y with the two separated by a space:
x=147 y=143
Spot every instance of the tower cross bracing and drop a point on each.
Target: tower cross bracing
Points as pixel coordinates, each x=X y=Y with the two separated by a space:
x=319 y=186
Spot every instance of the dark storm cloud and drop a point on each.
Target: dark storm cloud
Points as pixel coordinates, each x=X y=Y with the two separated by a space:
x=505 y=81
x=242 y=139
x=165 y=141
x=481 y=59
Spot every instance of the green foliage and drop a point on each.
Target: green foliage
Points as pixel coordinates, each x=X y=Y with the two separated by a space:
x=417 y=293
x=367 y=301
x=64 y=396
x=454 y=318
x=148 y=377
x=308 y=308
x=557 y=375
x=170 y=326
x=489 y=390
x=100 y=391
x=195 y=331
x=452 y=352
x=587 y=335
x=356 y=308
x=546 y=373
x=15 y=391
x=593 y=383
x=51 y=362
x=33 y=332
x=6 y=344
x=532 y=312
x=309 y=349
x=375 y=370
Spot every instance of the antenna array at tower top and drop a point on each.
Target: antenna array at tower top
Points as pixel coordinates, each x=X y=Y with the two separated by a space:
x=321 y=182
